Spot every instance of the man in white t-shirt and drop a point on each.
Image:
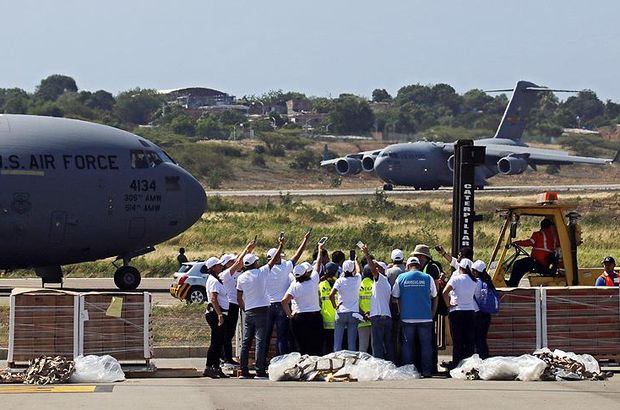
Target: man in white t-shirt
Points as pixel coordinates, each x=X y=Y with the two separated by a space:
x=380 y=315
x=253 y=300
x=278 y=281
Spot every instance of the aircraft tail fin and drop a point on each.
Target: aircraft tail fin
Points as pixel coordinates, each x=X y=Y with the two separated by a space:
x=523 y=99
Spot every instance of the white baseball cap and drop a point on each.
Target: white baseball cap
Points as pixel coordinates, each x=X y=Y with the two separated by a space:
x=479 y=266
x=227 y=257
x=249 y=259
x=397 y=255
x=413 y=261
x=383 y=265
x=348 y=266
x=271 y=253
x=212 y=261
x=465 y=263
x=301 y=269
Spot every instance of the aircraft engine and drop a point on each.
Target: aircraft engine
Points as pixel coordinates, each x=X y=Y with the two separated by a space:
x=349 y=166
x=451 y=163
x=511 y=165
x=368 y=163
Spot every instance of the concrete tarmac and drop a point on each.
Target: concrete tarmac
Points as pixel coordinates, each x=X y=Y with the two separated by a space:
x=436 y=393
x=157 y=286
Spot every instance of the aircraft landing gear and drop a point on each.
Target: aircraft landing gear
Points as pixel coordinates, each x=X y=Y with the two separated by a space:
x=127 y=278
x=388 y=187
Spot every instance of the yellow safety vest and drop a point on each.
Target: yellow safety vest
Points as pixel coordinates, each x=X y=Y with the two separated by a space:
x=327 y=309
x=365 y=295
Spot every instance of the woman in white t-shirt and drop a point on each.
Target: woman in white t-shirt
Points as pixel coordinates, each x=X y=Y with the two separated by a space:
x=306 y=319
x=459 y=297
x=348 y=314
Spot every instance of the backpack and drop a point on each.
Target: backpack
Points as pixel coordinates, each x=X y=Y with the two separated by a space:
x=489 y=300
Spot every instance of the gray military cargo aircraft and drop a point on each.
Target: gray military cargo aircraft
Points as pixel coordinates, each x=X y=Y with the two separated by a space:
x=428 y=165
x=73 y=191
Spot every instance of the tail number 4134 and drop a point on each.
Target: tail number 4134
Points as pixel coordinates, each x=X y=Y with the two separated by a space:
x=143 y=185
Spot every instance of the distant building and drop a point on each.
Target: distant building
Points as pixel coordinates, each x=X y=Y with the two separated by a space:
x=198 y=98
x=298 y=105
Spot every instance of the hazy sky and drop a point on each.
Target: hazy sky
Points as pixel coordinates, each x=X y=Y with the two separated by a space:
x=318 y=47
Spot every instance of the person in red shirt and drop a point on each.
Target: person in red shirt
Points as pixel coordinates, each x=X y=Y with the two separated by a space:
x=544 y=243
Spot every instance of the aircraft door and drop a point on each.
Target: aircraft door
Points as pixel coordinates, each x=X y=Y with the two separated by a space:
x=57 y=226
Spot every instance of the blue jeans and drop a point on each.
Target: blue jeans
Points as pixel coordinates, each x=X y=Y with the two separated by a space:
x=278 y=318
x=255 y=325
x=424 y=333
x=345 y=320
x=381 y=330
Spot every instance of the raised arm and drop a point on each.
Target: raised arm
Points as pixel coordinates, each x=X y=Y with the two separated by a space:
x=443 y=253
x=272 y=261
x=317 y=266
x=239 y=261
x=371 y=263
x=301 y=248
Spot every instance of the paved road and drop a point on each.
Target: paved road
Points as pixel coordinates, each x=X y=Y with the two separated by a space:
x=407 y=191
x=200 y=393
x=157 y=286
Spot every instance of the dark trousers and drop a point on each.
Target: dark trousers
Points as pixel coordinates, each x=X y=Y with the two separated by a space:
x=462 y=327
x=423 y=334
x=308 y=329
x=396 y=341
x=328 y=341
x=278 y=318
x=231 y=327
x=255 y=327
x=521 y=267
x=417 y=360
x=218 y=334
x=381 y=329
x=483 y=321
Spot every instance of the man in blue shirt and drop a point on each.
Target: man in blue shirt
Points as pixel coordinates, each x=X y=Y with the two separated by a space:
x=416 y=297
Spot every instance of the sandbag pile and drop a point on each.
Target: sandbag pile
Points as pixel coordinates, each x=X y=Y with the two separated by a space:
x=337 y=367
x=8 y=377
x=541 y=365
x=570 y=366
x=49 y=370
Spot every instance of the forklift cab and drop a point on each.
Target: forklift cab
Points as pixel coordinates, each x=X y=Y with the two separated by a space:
x=519 y=223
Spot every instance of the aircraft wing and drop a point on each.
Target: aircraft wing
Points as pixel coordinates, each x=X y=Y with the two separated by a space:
x=358 y=155
x=539 y=156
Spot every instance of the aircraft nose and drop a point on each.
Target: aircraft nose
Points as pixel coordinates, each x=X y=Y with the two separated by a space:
x=381 y=167
x=195 y=199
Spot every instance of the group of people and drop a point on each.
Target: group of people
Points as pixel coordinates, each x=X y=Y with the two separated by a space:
x=336 y=303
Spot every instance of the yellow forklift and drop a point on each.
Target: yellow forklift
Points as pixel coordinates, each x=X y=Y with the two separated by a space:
x=564 y=271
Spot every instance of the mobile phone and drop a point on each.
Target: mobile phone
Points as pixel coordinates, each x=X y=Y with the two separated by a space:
x=352 y=254
x=323 y=240
x=439 y=248
x=281 y=236
x=255 y=237
x=360 y=244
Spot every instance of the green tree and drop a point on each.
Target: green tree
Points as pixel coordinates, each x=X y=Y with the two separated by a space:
x=351 y=114
x=72 y=105
x=381 y=95
x=14 y=101
x=46 y=108
x=54 y=86
x=210 y=127
x=184 y=125
x=322 y=105
x=137 y=106
x=100 y=100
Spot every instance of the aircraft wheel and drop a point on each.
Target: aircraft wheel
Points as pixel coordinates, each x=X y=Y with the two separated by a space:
x=127 y=278
x=388 y=187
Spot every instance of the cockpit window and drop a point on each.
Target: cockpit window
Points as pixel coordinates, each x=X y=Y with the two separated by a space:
x=167 y=158
x=138 y=159
x=153 y=158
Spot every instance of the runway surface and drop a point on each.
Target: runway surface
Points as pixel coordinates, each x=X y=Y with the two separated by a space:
x=406 y=191
x=438 y=393
x=158 y=287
